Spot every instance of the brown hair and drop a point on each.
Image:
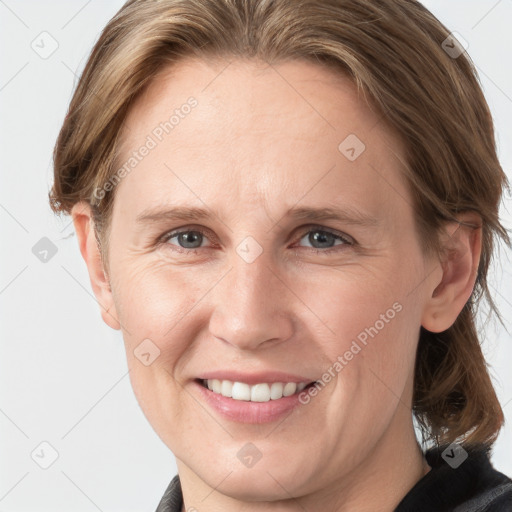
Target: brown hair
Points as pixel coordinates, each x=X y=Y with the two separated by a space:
x=393 y=51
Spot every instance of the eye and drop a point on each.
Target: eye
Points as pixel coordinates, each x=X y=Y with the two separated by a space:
x=323 y=240
x=187 y=239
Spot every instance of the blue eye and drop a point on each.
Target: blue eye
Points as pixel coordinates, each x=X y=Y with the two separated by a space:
x=189 y=239
x=325 y=239
x=321 y=240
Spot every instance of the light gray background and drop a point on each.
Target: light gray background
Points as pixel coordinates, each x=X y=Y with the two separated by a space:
x=63 y=373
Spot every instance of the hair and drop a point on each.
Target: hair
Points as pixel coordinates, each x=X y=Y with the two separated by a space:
x=392 y=50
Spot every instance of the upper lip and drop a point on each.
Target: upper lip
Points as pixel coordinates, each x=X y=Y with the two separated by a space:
x=254 y=378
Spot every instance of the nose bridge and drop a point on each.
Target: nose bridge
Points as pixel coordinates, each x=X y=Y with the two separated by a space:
x=251 y=305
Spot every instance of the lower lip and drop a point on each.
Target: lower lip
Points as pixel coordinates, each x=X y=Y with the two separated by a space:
x=244 y=411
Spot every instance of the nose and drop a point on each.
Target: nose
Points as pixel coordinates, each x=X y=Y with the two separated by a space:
x=252 y=305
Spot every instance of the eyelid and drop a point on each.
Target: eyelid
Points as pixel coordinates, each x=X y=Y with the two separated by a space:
x=312 y=227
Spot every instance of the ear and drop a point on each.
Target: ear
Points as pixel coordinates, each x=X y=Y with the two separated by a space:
x=462 y=245
x=84 y=227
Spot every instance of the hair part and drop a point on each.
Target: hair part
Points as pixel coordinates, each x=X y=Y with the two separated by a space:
x=432 y=101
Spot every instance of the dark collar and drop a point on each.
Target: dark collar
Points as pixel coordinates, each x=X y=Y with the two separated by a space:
x=459 y=481
x=172 y=500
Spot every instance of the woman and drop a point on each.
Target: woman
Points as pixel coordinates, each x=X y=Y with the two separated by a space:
x=288 y=208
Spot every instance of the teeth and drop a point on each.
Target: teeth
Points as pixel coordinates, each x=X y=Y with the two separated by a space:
x=289 y=388
x=276 y=390
x=241 y=391
x=258 y=393
x=226 y=388
x=216 y=385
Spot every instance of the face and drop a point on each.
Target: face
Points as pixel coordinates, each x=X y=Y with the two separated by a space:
x=304 y=266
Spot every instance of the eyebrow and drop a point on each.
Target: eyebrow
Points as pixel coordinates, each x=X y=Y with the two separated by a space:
x=186 y=213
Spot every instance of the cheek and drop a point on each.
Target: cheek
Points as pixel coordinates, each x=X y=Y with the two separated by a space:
x=157 y=310
x=361 y=305
x=153 y=298
x=376 y=319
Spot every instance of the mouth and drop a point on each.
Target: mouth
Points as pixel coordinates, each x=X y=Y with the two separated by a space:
x=261 y=392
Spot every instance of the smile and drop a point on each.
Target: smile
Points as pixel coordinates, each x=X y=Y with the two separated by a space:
x=262 y=392
x=257 y=403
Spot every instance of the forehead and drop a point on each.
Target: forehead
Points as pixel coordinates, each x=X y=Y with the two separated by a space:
x=257 y=133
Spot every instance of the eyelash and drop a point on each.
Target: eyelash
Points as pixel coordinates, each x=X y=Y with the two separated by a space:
x=339 y=236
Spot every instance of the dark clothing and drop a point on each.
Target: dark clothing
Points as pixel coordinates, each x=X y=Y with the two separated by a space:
x=473 y=486
x=172 y=500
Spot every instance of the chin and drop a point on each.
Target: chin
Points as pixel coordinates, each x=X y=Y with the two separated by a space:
x=272 y=481
x=258 y=487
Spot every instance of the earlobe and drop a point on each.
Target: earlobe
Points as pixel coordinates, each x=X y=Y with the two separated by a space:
x=462 y=245
x=84 y=227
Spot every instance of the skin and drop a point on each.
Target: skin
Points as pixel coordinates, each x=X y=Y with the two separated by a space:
x=262 y=140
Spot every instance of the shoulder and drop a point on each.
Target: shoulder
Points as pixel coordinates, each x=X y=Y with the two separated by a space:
x=462 y=479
